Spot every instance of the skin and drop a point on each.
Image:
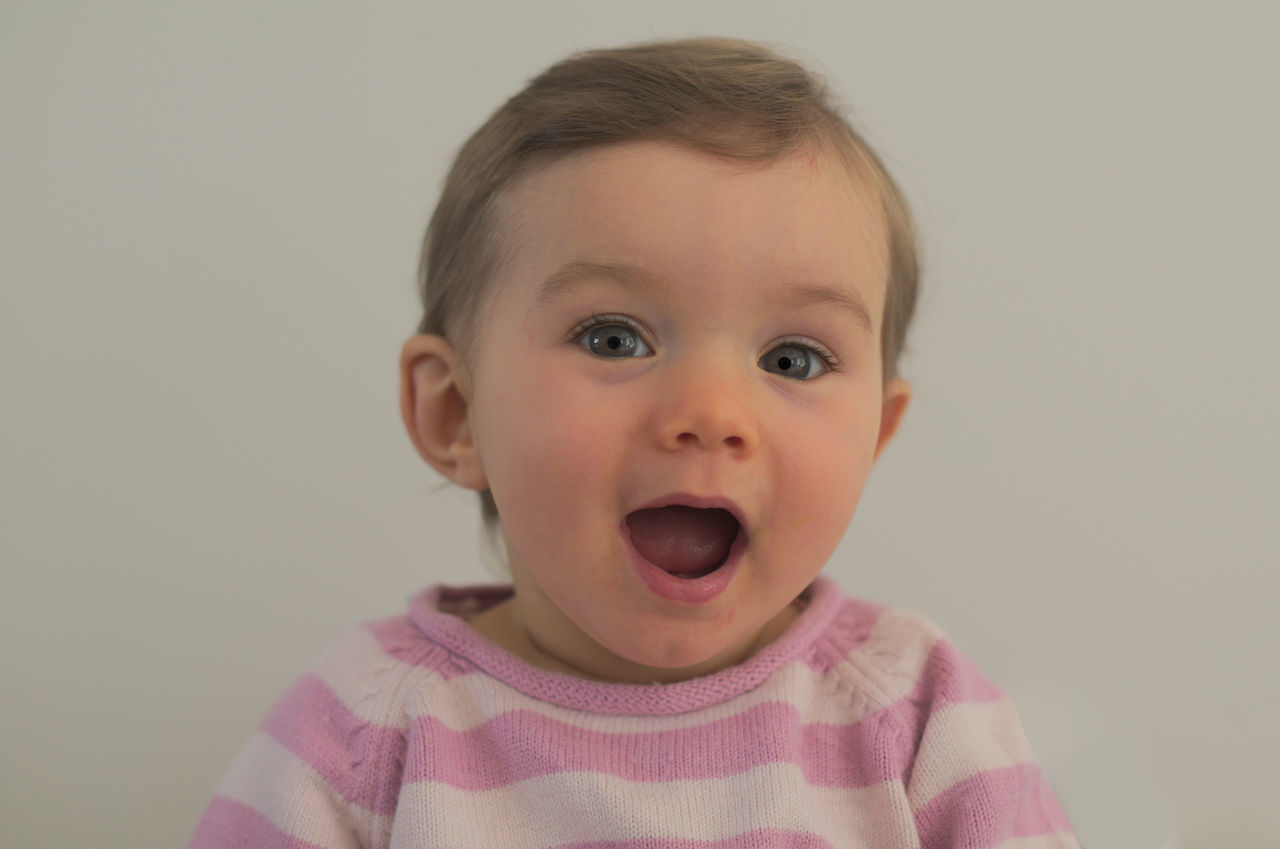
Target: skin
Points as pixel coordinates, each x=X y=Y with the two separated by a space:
x=570 y=441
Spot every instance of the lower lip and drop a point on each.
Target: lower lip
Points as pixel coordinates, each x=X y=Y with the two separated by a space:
x=686 y=590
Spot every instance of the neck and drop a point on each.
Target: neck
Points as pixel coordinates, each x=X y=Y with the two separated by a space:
x=502 y=624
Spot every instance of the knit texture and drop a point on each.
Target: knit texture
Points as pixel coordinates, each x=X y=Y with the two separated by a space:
x=861 y=726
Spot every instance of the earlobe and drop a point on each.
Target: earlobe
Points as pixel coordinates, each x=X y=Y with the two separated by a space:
x=897 y=397
x=436 y=408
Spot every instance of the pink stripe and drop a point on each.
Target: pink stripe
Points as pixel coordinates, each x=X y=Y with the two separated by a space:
x=228 y=823
x=401 y=639
x=360 y=760
x=519 y=745
x=990 y=808
x=774 y=838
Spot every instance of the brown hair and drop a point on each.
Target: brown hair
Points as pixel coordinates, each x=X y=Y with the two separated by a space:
x=730 y=98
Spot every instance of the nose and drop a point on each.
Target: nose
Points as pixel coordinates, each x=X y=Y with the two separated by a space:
x=707 y=409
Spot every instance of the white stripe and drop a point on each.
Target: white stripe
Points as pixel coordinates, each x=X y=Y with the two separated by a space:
x=574 y=807
x=295 y=798
x=964 y=739
x=893 y=658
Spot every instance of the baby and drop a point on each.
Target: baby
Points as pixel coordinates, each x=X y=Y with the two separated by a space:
x=666 y=288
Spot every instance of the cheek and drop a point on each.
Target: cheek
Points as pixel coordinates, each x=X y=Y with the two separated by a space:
x=549 y=446
x=821 y=479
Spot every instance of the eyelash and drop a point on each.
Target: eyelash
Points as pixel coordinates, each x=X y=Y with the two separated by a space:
x=830 y=360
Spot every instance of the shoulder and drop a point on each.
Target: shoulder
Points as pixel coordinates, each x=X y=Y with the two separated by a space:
x=329 y=756
x=953 y=738
x=359 y=694
x=902 y=662
x=371 y=672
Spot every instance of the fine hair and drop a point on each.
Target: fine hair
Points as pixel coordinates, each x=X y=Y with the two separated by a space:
x=735 y=99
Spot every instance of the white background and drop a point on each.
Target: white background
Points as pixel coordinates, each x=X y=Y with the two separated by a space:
x=208 y=235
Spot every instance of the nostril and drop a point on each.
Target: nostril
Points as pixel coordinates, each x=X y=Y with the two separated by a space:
x=689 y=438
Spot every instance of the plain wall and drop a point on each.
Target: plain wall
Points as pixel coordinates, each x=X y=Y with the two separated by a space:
x=210 y=222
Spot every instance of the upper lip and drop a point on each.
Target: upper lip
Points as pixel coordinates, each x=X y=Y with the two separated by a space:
x=704 y=502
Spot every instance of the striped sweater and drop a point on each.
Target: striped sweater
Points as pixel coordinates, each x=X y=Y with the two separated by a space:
x=861 y=726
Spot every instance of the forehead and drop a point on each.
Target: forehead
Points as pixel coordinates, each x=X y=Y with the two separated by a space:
x=683 y=213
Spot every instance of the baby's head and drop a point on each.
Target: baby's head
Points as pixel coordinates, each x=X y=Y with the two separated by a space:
x=728 y=98
x=666 y=289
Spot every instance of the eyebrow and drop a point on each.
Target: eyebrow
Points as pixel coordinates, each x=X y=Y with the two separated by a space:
x=574 y=275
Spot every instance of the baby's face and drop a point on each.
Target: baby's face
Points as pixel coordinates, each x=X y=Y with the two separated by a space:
x=677 y=330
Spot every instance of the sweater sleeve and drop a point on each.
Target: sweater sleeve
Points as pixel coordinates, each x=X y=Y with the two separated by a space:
x=972 y=779
x=320 y=772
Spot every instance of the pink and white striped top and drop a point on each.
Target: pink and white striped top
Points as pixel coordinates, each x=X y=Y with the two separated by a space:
x=861 y=726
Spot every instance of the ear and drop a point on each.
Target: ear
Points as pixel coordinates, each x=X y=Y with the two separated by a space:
x=436 y=406
x=897 y=396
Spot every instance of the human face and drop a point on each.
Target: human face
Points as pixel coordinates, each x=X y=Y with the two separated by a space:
x=735 y=274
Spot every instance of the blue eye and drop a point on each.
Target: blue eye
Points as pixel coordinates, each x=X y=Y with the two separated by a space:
x=794 y=361
x=613 y=340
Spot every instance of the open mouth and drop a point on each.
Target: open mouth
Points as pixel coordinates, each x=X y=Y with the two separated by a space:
x=688 y=542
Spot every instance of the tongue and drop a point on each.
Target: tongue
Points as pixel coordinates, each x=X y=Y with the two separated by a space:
x=683 y=540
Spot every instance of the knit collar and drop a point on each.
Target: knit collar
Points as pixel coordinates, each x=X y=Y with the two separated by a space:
x=439 y=610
